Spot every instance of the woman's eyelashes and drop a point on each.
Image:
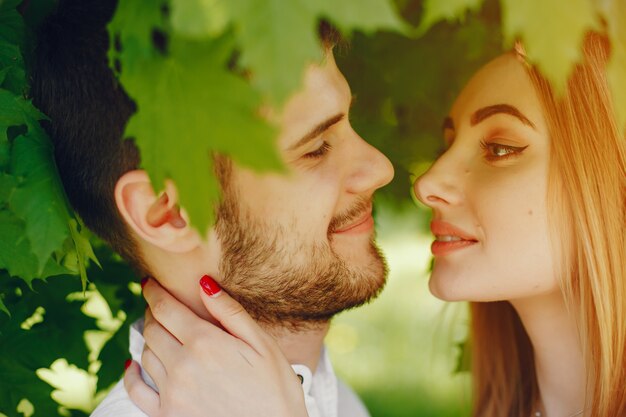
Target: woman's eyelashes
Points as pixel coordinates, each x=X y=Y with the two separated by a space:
x=319 y=152
x=498 y=152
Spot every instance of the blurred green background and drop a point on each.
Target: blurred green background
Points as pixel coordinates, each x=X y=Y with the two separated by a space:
x=400 y=352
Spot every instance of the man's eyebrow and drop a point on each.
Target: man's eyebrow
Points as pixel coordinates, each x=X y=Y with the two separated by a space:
x=486 y=112
x=318 y=130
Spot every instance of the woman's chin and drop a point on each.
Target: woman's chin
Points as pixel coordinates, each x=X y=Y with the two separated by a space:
x=443 y=290
x=447 y=289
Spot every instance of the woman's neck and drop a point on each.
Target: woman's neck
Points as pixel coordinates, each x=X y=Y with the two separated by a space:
x=559 y=361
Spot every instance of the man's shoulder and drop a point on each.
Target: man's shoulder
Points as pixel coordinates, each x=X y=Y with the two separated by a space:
x=349 y=404
x=117 y=403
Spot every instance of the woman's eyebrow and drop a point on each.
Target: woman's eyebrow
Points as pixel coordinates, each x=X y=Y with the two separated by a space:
x=488 y=111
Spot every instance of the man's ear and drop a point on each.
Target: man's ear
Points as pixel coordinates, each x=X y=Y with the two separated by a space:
x=155 y=219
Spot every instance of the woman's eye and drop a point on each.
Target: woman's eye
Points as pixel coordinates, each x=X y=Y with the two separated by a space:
x=319 y=152
x=496 y=151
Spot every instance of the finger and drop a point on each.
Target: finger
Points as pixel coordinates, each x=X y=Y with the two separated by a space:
x=164 y=345
x=231 y=315
x=154 y=367
x=139 y=392
x=176 y=317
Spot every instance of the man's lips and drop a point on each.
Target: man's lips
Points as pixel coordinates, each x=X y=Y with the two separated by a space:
x=449 y=238
x=364 y=222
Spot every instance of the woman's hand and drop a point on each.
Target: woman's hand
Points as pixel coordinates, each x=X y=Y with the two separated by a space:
x=202 y=370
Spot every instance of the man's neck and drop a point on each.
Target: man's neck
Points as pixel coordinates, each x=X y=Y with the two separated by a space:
x=559 y=362
x=303 y=347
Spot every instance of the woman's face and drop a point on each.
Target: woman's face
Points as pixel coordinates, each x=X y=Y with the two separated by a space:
x=488 y=191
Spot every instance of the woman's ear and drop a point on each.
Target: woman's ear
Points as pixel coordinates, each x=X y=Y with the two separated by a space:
x=155 y=219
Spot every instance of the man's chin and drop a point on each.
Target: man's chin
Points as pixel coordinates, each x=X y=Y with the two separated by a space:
x=309 y=313
x=357 y=253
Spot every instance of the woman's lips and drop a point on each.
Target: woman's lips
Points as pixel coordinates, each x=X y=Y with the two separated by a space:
x=449 y=238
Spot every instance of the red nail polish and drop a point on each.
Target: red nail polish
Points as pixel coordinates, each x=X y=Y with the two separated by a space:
x=144 y=281
x=127 y=363
x=209 y=286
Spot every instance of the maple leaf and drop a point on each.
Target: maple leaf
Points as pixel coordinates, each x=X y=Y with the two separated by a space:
x=199 y=18
x=552 y=32
x=132 y=29
x=3 y=307
x=452 y=10
x=16 y=111
x=39 y=198
x=83 y=250
x=14 y=76
x=290 y=40
x=366 y=16
x=15 y=252
x=189 y=105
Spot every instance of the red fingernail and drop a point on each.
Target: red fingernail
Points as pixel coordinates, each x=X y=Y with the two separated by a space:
x=144 y=281
x=127 y=363
x=209 y=286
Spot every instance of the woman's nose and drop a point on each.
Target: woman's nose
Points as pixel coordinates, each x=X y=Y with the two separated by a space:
x=439 y=186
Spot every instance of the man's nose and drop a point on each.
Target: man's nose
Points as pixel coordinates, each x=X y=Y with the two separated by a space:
x=439 y=186
x=371 y=169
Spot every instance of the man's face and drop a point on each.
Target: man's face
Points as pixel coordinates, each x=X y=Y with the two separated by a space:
x=298 y=247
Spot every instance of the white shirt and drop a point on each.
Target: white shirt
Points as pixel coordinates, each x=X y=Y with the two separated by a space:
x=325 y=395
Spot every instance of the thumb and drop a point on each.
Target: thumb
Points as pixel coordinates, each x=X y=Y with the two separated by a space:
x=231 y=315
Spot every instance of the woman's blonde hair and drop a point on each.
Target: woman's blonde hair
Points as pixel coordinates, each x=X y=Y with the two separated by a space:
x=587 y=202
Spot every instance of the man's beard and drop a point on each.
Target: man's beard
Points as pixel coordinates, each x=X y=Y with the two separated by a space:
x=283 y=279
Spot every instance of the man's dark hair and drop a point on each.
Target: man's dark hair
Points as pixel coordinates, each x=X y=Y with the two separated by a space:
x=88 y=109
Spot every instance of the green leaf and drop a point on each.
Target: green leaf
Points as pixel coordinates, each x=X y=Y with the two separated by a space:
x=15 y=252
x=39 y=199
x=16 y=111
x=199 y=18
x=11 y=23
x=84 y=251
x=278 y=40
x=451 y=10
x=12 y=65
x=133 y=25
x=3 y=307
x=189 y=101
x=366 y=16
x=552 y=32
x=5 y=155
x=8 y=184
x=35 y=195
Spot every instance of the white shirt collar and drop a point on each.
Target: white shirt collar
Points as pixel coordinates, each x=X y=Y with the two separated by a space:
x=320 y=389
